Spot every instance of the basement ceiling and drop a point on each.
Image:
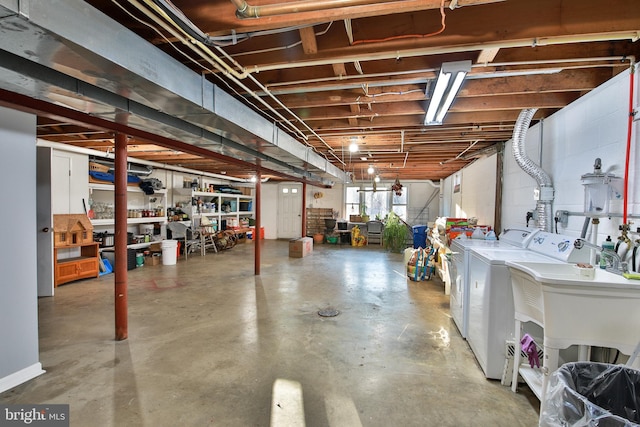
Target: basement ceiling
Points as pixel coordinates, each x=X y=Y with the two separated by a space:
x=332 y=72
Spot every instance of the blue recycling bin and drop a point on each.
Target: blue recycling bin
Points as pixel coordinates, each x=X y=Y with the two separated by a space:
x=419 y=236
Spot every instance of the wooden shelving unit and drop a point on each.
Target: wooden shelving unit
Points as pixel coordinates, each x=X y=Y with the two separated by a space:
x=315 y=220
x=81 y=267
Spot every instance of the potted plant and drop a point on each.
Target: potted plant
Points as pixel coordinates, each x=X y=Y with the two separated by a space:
x=395 y=233
x=363 y=213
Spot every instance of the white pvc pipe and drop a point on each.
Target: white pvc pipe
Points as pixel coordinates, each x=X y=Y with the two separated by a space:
x=225 y=69
x=594 y=240
x=439 y=50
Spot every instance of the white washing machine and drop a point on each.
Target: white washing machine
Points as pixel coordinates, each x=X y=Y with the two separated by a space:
x=460 y=248
x=491 y=309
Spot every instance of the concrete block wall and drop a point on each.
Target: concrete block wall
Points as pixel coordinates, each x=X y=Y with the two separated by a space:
x=566 y=146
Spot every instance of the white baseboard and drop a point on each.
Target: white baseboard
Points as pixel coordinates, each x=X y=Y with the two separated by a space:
x=21 y=376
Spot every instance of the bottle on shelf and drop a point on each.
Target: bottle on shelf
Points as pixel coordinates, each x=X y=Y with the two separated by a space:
x=608 y=245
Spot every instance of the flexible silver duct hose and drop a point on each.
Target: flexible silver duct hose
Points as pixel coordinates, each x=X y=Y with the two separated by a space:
x=543 y=206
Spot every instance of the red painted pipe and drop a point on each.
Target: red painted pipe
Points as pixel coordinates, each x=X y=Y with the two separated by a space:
x=257 y=230
x=628 y=153
x=121 y=281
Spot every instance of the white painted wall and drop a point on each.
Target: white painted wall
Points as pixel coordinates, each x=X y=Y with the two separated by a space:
x=332 y=198
x=566 y=146
x=476 y=197
x=423 y=201
x=593 y=126
x=19 y=359
x=419 y=193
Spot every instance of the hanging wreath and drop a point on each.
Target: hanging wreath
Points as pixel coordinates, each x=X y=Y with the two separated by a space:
x=397 y=187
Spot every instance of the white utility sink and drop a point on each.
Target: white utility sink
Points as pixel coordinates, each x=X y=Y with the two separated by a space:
x=573 y=309
x=571 y=275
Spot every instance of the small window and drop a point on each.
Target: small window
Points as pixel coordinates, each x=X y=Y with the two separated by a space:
x=63 y=237
x=294 y=190
x=285 y=190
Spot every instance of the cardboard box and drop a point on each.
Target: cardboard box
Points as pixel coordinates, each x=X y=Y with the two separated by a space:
x=299 y=248
x=155 y=247
x=153 y=259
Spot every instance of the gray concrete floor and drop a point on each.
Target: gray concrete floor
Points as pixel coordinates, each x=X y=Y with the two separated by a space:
x=207 y=340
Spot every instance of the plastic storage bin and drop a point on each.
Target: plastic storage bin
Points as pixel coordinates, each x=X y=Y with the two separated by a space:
x=592 y=394
x=419 y=236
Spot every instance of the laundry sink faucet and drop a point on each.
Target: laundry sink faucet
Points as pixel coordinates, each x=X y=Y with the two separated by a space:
x=616 y=265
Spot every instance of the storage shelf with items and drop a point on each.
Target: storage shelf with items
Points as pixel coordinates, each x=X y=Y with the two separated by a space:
x=315 y=220
x=142 y=207
x=224 y=206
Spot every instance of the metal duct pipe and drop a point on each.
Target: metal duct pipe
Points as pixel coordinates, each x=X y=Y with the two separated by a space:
x=543 y=204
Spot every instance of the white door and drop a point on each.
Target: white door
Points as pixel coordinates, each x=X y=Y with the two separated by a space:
x=289 y=211
x=61 y=182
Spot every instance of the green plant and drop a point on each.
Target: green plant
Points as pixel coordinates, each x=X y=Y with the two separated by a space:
x=395 y=233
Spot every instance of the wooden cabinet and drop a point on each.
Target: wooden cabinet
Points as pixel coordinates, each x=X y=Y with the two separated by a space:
x=83 y=266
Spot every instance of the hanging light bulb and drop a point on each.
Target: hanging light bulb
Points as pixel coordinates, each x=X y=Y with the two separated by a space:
x=253 y=178
x=377 y=178
x=353 y=147
x=370 y=171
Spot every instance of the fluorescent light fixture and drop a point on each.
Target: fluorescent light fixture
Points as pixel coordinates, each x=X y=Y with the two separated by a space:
x=450 y=79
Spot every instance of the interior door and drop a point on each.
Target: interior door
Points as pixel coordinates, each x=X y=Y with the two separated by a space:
x=61 y=181
x=289 y=211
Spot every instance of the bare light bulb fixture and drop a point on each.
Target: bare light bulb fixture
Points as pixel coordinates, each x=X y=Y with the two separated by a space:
x=377 y=178
x=370 y=171
x=353 y=147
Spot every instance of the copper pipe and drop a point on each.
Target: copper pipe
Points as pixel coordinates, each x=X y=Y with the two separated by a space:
x=245 y=10
x=120 y=196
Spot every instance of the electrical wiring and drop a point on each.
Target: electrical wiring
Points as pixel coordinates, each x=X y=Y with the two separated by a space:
x=165 y=8
x=197 y=63
x=289 y=46
x=181 y=52
x=407 y=36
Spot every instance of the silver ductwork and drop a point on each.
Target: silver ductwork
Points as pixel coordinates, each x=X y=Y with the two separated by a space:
x=98 y=66
x=545 y=190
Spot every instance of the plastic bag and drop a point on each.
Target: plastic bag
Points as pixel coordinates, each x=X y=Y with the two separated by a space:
x=421 y=264
x=592 y=394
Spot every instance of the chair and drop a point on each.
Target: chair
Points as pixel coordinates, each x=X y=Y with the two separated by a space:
x=180 y=231
x=374 y=232
x=207 y=235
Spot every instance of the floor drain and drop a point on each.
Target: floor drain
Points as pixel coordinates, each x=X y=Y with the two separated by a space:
x=328 y=312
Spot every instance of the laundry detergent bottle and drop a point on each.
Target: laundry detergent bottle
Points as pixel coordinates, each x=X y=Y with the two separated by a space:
x=609 y=245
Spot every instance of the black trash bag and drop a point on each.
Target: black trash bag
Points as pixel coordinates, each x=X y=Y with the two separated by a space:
x=592 y=394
